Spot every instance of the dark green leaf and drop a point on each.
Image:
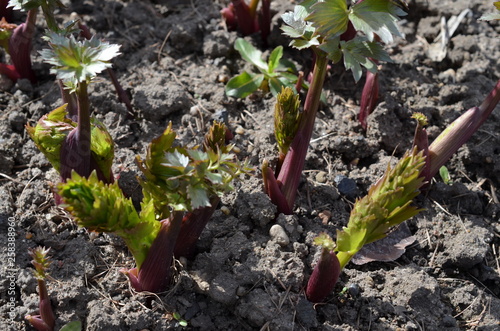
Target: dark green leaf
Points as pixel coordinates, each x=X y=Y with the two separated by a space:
x=376 y=17
x=250 y=53
x=274 y=58
x=330 y=18
x=243 y=85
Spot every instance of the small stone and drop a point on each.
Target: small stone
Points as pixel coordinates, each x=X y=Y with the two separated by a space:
x=193 y=111
x=346 y=186
x=321 y=177
x=225 y=210
x=354 y=289
x=279 y=235
x=239 y=130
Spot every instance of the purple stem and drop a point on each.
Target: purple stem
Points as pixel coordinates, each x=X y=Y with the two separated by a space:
x=20 y=46
x=458 y=132
x=193 y=224
x=324 y=276
x=154 y=274
x=293 y=164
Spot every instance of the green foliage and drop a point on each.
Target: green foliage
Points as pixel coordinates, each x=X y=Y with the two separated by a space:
x=320 y=24
x=40 y=261
x=274 y=74
x=103 y=208
x=52 y=129
x=360 y=52
x=286 y=118
x=376 y=17
x=445 y=175
x=387 y=204
x=77 y=61
x=72 y=326
x=181 y=179
x=492 y=16
x=325 y=241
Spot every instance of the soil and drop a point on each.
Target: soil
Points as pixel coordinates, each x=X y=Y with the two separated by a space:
x=175 y=58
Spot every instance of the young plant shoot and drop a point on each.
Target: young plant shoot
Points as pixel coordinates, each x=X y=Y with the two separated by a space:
x=45 y=319
x=17 y=41
x=239 y=15
x=387 y=204
x=325 y=27
x=274 y=74
x=80 y=143
x=453 y=136
x=178 y=183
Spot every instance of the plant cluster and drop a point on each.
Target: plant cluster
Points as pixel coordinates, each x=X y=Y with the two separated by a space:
x=181 y=188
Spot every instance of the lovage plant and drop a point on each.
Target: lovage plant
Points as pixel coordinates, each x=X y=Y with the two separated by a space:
x=334 y=31
x=178 y=183
x=78 y=141
x=387 y=204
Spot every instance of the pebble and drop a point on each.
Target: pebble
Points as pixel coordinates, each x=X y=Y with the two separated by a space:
x=321 y=177
x=239 y=130
x=225 y=210
x=346 y=186
x=279 y=235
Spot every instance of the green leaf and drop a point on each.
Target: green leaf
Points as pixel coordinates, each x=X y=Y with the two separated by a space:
x=77 y=61
x=330 y=18
x=376 y=17
x=296 y=24
x=360 y=52
x=303 y=43
x=250 y=54
x=492 y=16
x=332 y=48
x=387 y=204
x=52 y=129
x=243 y=85
x=274 y=59
x=103 y=208
x=199 y=197
x=24 y=5
x=275 y=85
x=72 y=326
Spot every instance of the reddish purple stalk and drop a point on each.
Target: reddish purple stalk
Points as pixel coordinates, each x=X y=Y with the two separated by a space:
x=368 y=98
x=20 y=47
x=458 y=132
x=291 y=170
x=193 y=224
x=247 y=23
x=324 y=276
x=46 y=320
x=155 y=272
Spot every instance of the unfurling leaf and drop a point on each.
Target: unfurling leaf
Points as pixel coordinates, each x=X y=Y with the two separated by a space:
x=51 y=132
x=388 y=203
x=103 y=208
x=77 y=61
x=286 y=118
